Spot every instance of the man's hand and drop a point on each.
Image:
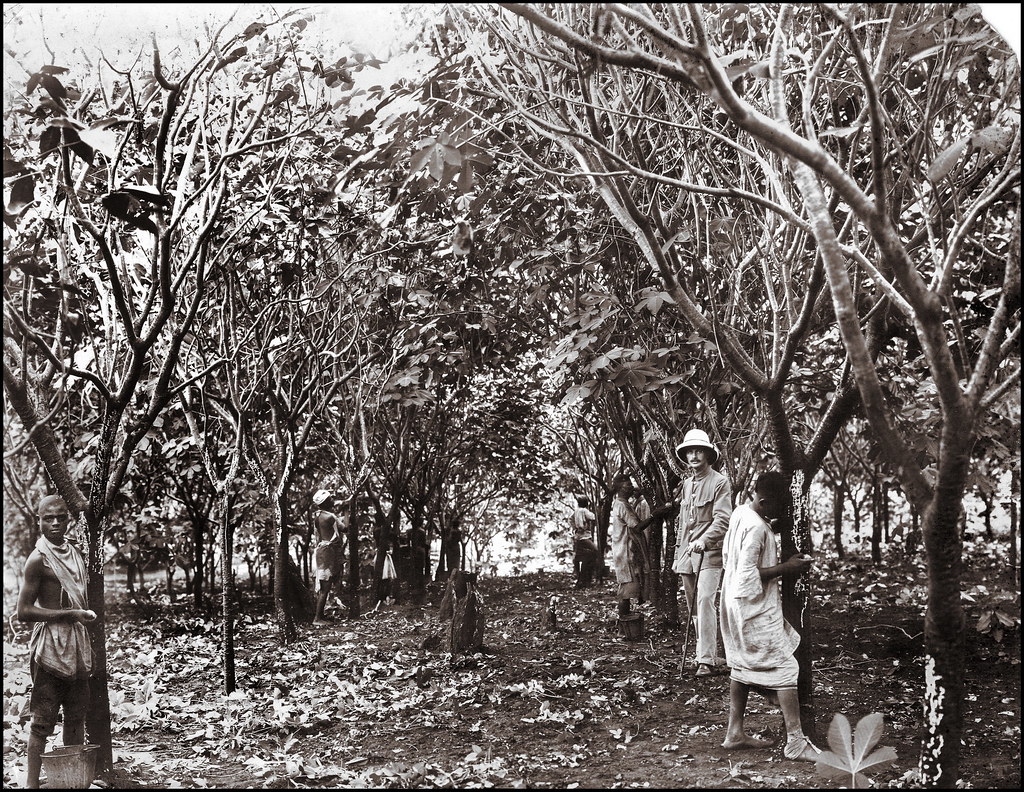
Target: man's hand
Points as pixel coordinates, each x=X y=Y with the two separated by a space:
x=668 y=509
x=84 y=616
x=696 y=546
x=797 y=565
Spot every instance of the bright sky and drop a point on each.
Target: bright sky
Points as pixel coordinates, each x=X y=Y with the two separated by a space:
x=1005 y=18
x=120 y=29
x=366 y=26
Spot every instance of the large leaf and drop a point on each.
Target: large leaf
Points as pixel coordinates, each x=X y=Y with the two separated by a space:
x=944 y=163
x=849 y=754
x=22 y=193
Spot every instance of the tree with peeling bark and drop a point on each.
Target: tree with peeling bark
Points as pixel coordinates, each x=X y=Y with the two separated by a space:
x=802 y=178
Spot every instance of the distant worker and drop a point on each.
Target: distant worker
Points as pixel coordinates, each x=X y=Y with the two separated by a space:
x=54 y=595
x=621 y=527
x=329 y=555
x=705 y=503
x=586 y=555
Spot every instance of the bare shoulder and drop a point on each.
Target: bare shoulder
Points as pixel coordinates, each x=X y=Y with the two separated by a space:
x=34 y=563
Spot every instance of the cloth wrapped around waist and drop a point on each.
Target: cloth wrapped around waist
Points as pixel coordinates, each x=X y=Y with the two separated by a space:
x=62 y=648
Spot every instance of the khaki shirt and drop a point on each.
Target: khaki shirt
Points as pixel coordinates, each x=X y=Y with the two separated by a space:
x=705 y=505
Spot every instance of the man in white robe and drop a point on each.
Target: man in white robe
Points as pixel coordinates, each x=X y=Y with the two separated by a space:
x=759 y=642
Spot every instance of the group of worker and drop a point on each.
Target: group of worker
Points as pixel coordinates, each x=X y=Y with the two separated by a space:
x=725 y=554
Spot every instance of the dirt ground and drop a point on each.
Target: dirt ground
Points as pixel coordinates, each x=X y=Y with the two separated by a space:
x=362 y=703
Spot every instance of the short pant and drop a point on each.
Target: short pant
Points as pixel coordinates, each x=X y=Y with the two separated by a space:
x=50 y=692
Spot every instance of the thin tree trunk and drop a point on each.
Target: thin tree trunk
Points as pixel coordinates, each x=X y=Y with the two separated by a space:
x=228 y=596
x=669 y=607
x=198 y=562
x=914 y=534
x=352 y=590
x=1013 y=506
x=885 y=513
x=876 y=522
x=838 y=503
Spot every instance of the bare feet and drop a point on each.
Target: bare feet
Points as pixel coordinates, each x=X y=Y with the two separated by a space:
x=745 y=741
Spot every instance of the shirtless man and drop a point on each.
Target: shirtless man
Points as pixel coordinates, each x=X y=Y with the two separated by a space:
x=329 y=552
x=54 y=596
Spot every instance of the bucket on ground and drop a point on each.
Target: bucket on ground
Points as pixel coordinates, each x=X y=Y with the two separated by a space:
x=632 y=626
x=70 y=767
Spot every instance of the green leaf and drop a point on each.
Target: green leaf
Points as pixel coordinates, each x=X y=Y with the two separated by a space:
x=869 y=730
x=849 y=754
x=22 y=193
x=944 y=163
x=420 y=157
x=13 y=168
x=54 y=87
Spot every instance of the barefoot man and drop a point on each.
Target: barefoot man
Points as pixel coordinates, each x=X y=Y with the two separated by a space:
x=329 y=554
x=53 y=595
x=759 y=642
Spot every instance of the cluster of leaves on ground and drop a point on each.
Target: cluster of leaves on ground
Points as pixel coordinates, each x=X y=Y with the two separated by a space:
x=362 y=704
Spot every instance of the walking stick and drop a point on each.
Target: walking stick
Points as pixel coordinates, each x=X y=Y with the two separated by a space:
x=689 y=614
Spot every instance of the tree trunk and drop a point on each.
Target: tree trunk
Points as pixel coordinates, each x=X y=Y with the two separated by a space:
x=1013 y=507
x=652 y=580
x=876 y=522
x=944 y=642
x=838 y=502
x=198 y=562
x=988 y=499
x=914 y=534
x=442 y=572
x=352 y=588
x=285 y=617
x=796 y=599
x=98 y=718
x=669 y=579
x=886 y=537
x=228 y=596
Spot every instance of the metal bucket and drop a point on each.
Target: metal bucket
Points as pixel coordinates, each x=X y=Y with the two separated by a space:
x=632 y=626
x=70 y=767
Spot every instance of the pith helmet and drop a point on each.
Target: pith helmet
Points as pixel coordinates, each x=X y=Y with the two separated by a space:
x=320 y=497
x=697 y=438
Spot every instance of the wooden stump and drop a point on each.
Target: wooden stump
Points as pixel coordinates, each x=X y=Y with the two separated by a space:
x=549 y=617
x=464 y=605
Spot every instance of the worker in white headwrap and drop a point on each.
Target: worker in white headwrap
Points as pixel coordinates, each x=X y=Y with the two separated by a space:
x=329 y=555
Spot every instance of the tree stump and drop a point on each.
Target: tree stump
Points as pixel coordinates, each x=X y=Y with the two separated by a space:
x=549 y=617
x=464 y=605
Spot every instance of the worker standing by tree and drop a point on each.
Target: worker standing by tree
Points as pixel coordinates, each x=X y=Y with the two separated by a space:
x=620 y=527
x=705 y=503
x=585 y=553
x=759 y=642
x=54 y=596
x=329 y=552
